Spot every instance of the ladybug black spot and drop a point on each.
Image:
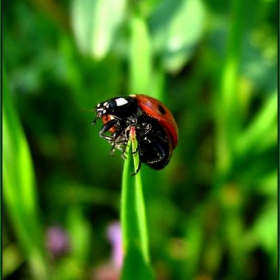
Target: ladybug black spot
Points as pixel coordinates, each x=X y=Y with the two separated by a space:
x=161 y=109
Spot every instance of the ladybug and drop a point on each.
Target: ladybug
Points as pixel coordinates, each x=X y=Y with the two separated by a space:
x=156 y=128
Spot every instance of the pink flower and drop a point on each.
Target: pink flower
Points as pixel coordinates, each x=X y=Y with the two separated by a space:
x=57 y=241
x=115 y=238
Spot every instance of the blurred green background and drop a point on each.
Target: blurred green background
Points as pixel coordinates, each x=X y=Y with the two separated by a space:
x=212 y=212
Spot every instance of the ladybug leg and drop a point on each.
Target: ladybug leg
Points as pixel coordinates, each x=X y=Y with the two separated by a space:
x=121 y=137
x=124 y=155
x=134 y=152
x=119 y=142
x=106 y=127
x=142 y=136
x=146 y=129
x=137 y=149
x=124 y=141
x=137 y=170
x=115 y=143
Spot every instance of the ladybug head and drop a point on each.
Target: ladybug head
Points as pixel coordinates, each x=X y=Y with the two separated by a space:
x=103 y=109
x=119 y=107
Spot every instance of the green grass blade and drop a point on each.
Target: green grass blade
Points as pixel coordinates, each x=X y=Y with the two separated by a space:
x=264 y=124
x=19 y=188
x=140 y=57
x=133 y=218
x=227 y=107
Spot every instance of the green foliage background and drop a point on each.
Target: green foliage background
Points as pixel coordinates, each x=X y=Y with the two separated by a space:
x=212 y=212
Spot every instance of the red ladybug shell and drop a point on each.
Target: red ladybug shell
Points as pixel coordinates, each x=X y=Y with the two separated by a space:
x=157 y=110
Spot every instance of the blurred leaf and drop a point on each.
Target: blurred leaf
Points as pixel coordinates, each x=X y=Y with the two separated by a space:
x=95 y=23
x=265 y=228
x=227 y=105
x=80 y=239
x=12 y=259
x=194 y=237
x=254 y=167
x=80 y=232
x=19 y=192
x=67 y=194
x=262 y=132
x=268 y=184
x=140 y=57
x=176 y=27
x=259 y=59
